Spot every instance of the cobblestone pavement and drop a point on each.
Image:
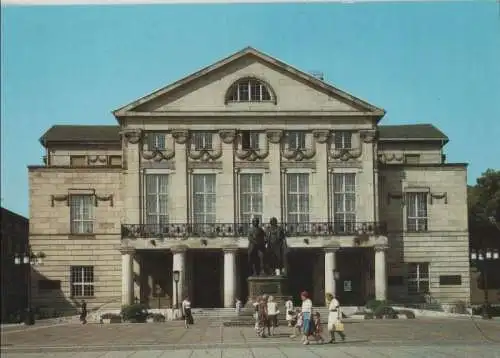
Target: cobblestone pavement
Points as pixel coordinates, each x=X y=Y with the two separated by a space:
x=457 y=351
x=396 y=338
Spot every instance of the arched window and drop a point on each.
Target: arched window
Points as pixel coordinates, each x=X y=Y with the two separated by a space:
x=250 y=90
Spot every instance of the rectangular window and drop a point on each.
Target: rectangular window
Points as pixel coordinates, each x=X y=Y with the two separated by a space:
x=204 y=200
x=82 y=214
x=250 y=197
x=296 y=140
x=78 y=160
x=450 y=280
x=412 y=158
x=156 y=141
x=49 y=285
x=250 y=140
x=298 y=201
x=203 y=141
x=343 y=140
x=156 y=201
x=82 y=281
x=418 y=278
x=416 y=212
x=344 y=202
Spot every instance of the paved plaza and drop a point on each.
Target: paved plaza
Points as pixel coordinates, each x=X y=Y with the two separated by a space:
x=208 y=338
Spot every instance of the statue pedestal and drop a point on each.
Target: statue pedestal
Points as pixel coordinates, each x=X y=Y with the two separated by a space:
x=275 y=286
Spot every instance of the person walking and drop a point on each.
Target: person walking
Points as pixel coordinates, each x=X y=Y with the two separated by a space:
x=186 y=312
x=296 y=323
x=272 y=315
x=334 y=318
x=318 y=329
x=262 y=316
x=83 y=313
x=289 y=311
x=307 y=326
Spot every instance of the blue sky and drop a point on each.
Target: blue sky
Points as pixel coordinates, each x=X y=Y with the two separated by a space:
x=422 y=62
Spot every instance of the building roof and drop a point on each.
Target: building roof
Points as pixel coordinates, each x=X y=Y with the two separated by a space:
x=81 y=134
x=410 y=132
x=111 y=134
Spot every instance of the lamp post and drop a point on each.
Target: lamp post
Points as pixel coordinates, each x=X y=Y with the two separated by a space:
x=176 y=275
x=482 y=258
x=28 y=258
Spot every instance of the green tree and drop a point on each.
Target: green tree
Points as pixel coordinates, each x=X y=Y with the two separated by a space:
x=484 y=210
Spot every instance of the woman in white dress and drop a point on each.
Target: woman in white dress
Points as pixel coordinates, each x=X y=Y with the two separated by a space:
x=334 y=317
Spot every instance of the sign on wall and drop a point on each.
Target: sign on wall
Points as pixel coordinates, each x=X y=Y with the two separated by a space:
x=347 y=286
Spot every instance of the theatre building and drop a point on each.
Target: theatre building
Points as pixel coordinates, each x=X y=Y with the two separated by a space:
x=370 y=211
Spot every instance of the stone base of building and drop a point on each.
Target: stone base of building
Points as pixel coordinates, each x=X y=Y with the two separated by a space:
x=275 y=286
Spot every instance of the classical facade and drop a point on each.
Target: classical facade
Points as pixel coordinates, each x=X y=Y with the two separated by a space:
x=370 y=211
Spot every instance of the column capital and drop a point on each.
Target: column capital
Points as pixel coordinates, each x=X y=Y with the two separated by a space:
x=332 y=247
x=230 y=248
x=380 y=247
x=127 y=250
x=179 y=249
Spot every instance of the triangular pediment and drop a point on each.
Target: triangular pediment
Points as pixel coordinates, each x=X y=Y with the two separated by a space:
x=206 y=90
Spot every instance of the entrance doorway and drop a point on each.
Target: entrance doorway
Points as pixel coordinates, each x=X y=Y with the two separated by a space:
x=300 y=272
x=353 y=270
x=207 y=268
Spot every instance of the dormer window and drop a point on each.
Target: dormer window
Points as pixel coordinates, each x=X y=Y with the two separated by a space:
x=156 y=141
x=249 y=90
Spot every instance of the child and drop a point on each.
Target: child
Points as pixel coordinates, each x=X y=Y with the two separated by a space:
x=317 y=328
x=296 y=323
x=256 y=315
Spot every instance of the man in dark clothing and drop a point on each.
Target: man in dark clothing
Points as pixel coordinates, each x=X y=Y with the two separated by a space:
x=83 y=314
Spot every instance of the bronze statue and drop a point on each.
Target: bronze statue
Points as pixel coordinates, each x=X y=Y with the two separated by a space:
x=276 y=247
x=256 y=248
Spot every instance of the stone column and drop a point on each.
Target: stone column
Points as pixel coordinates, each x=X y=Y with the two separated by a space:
x=179 y=264
x=127 y=275
x=229 y=276
x=151 y=286
x=137 y=277
x=380 y=273
x=330 y=265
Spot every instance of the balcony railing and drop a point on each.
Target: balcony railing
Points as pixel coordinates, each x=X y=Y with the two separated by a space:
x=221 y=230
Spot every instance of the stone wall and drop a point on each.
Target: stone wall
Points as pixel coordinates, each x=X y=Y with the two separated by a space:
x=50 y=233
x=445 y=245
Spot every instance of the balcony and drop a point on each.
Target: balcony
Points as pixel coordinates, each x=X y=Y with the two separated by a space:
x=222 y=230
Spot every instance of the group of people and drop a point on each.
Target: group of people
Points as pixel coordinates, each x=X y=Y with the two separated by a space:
x=302 y=320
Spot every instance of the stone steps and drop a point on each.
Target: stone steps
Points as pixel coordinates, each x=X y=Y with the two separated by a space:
x=225 y=314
